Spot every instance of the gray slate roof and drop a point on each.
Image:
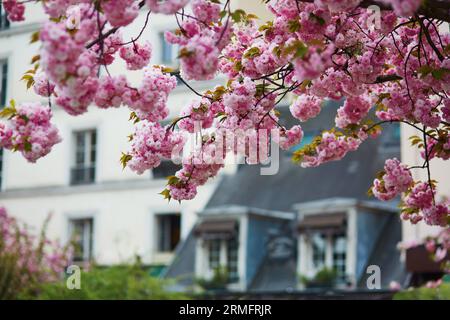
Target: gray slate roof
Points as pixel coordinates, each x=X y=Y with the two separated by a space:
x=350 y=177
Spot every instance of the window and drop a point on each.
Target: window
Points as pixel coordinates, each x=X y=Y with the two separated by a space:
x=232 y=259
x=391 y=136
x=214 y=254
x=82 y=236
x=168 y=231
x=168 y=51
x=165 y=169
x=339 y=255
x=83 y=171
x=3 y=81
x=318 y=250
x=4 y=22
x=329 y=251
x=224 y=254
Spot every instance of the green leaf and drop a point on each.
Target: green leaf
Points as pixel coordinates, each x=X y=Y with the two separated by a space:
x=35 y=37
x=124 y=159
x=166 y=194
x=320 y=20
x=293 y=25
x=439 y=74
x=238 y=15
x=8 y=112
x=252 y=52
x=27 y=146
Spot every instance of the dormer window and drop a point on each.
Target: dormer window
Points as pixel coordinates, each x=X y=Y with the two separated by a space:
x=219 y=250
x=323 y=239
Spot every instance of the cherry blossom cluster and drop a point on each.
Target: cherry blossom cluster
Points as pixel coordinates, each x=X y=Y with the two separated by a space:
x=289 y=138
x=150 y=99
x=15 y=10
x=120 y=12
x=352 y=112
x=166 y=6
x=136 y=56
x=331 y=146
x=439 y=248
x=111 y=91
x=151 y=143
x=198 y=113
x=34 y=260
x=28 y=130
x=395 y=179
x=201 y=39
x=305 y=107
x=201 y=164
x=68 y=65
x=392 y=69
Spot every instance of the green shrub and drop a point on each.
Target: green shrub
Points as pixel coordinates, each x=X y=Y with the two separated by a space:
x=27 y=260
x=112 y=283
x=440 y=293
x=324 y=278
x=217 y=282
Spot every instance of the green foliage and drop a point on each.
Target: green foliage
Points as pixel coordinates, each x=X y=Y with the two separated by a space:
x=112 y=283
x=324 y=278
x=217 y=282
x=440 y=293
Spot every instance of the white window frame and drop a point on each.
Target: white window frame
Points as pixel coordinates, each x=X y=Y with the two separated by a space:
x=88 y=137
x=88 y=162
x=174 y=63
x=304 y=255
x=223 y=258
x=329 y=251
x=88 y=236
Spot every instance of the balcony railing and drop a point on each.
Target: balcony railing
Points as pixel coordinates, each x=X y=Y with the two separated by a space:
x=82 y=175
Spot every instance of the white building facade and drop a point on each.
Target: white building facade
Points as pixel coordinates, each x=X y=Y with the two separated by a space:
x=114 y=213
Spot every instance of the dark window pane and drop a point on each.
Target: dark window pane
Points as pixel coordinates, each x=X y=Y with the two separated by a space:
x=319 y=249
x=83 y=171
x=4 y=22
x=168 y=232
x=82 y=239
x=3 y=82
x=214 y=254
x=232 y=260
x=339 y=255
x=165 y=169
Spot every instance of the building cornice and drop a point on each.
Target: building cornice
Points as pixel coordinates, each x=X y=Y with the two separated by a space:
x=20 y=29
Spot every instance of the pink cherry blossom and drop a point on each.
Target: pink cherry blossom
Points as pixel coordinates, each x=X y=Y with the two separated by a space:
x=352 y=112
x=15 y=10
x=111 y=91
x=137 y=56
x=152 y=143
x=120 y=12
x=395 y=180
x=196 y=112
x=150 y=99
x=29 y=131
x=206 y=11
x=289 y=138
x=166 y=6
x=42 y=86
